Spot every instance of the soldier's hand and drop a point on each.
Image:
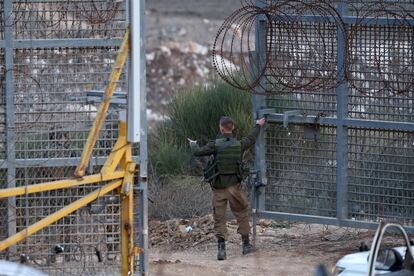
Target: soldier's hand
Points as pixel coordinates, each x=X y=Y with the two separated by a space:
x=192 y=142
x=261 y=121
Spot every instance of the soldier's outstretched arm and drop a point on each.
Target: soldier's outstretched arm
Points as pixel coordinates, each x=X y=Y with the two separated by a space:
x=250 y=139
x=207 y=149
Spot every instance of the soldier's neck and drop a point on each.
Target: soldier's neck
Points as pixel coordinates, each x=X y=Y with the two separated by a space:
x=227 y=134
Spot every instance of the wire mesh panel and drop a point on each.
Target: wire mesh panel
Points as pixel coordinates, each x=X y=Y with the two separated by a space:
x=338 y=88
x=303 y=55
x=53 y=19
x=59 y=53
x=53 y=113
x=302 y=67
x=381 y=73
x=2 y=22
x=3 y=210
x=3 y=172
x=381 y=174
x=85 y=242
x=2 y=107
x=301 y=171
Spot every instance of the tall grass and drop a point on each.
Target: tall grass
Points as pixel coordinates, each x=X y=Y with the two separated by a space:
x=195 y=114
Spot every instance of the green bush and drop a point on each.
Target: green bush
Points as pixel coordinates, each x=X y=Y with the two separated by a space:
x=169 y=159
x=195 y=114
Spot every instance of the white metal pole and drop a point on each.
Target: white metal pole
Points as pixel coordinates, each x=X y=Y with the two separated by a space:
x=136 y=85
x=137 y=118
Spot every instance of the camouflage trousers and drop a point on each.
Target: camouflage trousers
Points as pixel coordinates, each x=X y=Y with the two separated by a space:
x=239 y=206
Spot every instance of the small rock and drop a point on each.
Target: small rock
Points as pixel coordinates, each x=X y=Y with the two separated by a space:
x=195 y=48
x=227 y=64
x=332 y=237
x=150 y=56
x=265 y=222
x=182 y=32
x=202 y=71
x=182 y=229
x=165 y=50
x=174 y=45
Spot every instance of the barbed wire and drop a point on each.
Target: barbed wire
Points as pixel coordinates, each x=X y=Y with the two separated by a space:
x=296 y=49
x=386 y=55
x=48 y=19
x=98 y=11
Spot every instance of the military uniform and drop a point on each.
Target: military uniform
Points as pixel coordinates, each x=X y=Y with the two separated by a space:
x=226 y=187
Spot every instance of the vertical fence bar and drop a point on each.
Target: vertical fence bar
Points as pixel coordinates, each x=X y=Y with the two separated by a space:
x=137 y=120
x=258 y=102
x=342 y=129
x=143 y=147
x=10 y=118
x=137 y=53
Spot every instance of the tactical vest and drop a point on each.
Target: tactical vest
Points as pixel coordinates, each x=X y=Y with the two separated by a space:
x=229 y=158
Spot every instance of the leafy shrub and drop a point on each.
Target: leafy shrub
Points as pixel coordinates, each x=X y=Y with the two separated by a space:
x=195 y=114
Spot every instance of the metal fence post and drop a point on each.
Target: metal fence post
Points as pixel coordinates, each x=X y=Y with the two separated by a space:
x=49 y=147
x=342 y=129
x=258 y=102
x=10 y=118
x=143 y=146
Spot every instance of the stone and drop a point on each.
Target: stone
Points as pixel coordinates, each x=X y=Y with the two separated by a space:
x=182 y=229
x=195 y=48
x=265 y=222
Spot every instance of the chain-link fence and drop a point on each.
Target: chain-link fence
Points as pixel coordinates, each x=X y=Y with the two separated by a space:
x=56 y=56
x=339 y=148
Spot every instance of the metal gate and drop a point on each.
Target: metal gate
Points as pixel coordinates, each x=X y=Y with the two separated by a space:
x=338 y=89
x=55 y=59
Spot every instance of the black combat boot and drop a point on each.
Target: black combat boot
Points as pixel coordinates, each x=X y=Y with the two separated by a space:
x=246 y=246
x=221 y=255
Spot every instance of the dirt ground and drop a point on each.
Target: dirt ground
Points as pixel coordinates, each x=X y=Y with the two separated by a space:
x=279 y=262
x=283 y=249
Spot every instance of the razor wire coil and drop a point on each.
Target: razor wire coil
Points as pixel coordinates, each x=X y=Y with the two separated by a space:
x=297 y=49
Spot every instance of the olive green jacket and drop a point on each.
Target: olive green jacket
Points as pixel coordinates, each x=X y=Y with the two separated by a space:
x=224 y=181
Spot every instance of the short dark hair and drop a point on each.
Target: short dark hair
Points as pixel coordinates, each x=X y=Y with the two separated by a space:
x=226 y=123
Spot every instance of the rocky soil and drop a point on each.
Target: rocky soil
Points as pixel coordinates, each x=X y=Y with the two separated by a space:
x=179 y=39
x=282 y=248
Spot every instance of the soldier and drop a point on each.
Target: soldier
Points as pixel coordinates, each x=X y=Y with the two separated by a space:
x=226 y=183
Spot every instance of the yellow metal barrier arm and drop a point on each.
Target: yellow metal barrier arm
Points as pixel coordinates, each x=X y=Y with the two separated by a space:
x=60 y=184
x=58 y=215
x=118 y=151
x=103 y=107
